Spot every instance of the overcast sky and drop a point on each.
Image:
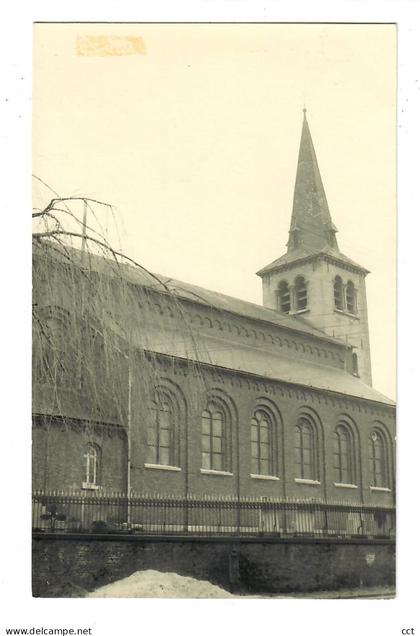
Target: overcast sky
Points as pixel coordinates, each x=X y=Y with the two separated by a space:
x=194 y=140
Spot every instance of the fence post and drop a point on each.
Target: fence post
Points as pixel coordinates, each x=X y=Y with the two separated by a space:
x=238 y=515
x=186 y=513
x=326 y=527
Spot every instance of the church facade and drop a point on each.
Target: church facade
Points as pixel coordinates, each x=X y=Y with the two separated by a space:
x=153 y=386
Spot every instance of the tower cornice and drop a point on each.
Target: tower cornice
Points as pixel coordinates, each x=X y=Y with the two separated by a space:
x=286 y=262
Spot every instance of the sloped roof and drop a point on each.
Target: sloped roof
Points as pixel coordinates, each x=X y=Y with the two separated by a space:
x=244 y=308
x=206 y=297
x=197 y=345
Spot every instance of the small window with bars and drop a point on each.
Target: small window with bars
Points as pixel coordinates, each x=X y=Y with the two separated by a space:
x=92 y=466
x=301 y=293
x=338 y=293
x=284 y=297
x=350 y=298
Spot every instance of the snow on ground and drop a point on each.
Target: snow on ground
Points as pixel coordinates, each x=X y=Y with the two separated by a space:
x=154 y=584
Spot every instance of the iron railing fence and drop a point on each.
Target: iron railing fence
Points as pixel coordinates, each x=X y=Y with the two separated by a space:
x=63 y=512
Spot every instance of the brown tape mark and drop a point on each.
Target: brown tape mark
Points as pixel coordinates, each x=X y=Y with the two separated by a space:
x=109 y=45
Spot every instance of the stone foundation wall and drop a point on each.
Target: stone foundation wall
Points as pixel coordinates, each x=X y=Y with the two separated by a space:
x=67 y=566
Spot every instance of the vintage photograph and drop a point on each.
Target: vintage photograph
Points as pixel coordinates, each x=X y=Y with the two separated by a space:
x=214 y=292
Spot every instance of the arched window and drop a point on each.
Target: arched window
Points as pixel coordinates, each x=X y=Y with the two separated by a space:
x=284 y=297
x=378 y=465
x=215 y=454
x=262 y=443
x=343 y=456
x=305 y=449
x=54 y=348
x=92 y=466
x=338 y=293
x=161 y=443
x=301 y=294
x=350 y=297
x=92 y=359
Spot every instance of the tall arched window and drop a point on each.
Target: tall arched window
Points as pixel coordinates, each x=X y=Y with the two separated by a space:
x=92 y=466
x=338 y=293
x=301 y=294
x=343 y=455
x=161 y=442
x=215 y=452
x=263 y=443
x=54 y=348
x=92 y=359
x=305 y=449
x=378 y=464
x=350 y=297
x=284 y=297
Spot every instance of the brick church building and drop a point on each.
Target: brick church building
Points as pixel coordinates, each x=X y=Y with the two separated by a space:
x=151 y=386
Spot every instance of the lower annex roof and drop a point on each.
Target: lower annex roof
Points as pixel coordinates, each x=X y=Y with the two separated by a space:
x=261 y=362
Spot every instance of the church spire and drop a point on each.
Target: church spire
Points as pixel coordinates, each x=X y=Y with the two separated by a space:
x=311 y=226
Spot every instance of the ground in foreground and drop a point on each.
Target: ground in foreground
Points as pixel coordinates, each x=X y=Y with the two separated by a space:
x=155 y=584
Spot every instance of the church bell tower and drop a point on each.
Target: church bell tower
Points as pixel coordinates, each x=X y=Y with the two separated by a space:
x=313 y=279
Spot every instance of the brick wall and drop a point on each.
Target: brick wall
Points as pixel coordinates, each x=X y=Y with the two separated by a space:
x=58 y=451
x=242 y=395
x=58 y=454
x=61 y=566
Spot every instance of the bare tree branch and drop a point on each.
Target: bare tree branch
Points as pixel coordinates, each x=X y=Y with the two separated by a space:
x=115 y=253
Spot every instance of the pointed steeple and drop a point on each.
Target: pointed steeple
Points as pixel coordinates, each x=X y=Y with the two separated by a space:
x=312 y=232
x=311 y=226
